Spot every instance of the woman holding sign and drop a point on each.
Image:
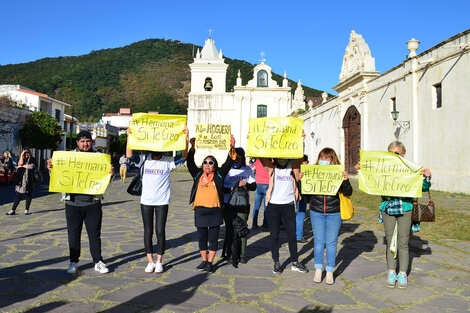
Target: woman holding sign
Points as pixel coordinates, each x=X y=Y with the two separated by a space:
x=207 y=196
x=155 y=198
x=281 y=196
x=326 y=220
x=395 y=212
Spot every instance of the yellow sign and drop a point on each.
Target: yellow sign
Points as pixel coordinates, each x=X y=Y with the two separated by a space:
x=275 y=137
x=321 y=179
x=157 y=132
x=213 y=136
x=388 y=174
x=80 y=172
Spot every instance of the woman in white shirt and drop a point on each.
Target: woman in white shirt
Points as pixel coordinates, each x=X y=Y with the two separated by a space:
x=155 y=199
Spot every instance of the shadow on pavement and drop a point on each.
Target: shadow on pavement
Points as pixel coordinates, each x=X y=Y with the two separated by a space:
x=417 y=249
x=353 y=247
x=316 y=309
x=21 y=282
x=35 y=234
x=174 y=294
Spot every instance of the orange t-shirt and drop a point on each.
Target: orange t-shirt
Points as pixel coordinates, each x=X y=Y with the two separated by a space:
x=207 y=196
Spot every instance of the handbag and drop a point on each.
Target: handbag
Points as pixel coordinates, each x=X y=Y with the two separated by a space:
x=239 y=196
x=423 y=212
x=346 y=207
x=135 y=187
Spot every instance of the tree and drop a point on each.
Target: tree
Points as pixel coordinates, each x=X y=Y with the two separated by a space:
x=41 y=131
x=119 y=145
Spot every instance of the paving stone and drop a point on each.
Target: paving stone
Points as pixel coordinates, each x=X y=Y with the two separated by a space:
x=163 y=297
x=370 y=299
x=228 y=307
x=361 y=268
x=223 y=292
x=291 y=301
x=425 y=266
x=194 y=278
x=269 y=308
x=396 y=296
x=332 y=298
x=108 y=283
x=431 y=281
x=14 y=256
x=248 y=270
x=69 y=307
x=253 y=286
x=354 y=310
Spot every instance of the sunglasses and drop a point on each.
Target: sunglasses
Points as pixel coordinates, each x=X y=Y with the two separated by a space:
x=397 y=153
x=208 y=162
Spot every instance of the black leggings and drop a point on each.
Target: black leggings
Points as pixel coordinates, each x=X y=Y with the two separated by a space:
x=210 y=234
x=18 y=199
x=275 y=213
x=161 y=213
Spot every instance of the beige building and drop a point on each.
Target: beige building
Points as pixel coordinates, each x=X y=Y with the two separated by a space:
x=423 y=102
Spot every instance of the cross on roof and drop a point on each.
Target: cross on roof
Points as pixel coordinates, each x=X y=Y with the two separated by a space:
x=210 y=33
x=262 y=57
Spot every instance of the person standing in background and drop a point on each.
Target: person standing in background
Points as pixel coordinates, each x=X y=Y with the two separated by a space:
x=123 y=162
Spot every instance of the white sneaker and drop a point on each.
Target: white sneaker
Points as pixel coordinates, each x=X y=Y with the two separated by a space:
x=101 y=267
x=158 y=267
x=72 y=268
x=150 y=267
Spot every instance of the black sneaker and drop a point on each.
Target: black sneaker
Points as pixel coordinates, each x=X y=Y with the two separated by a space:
x=277 y=268
x=264 y=228
x=303 y=240
x=201 y=266
x=11 y=212
x=299 y=267
x=255 y=226
x=209 y=268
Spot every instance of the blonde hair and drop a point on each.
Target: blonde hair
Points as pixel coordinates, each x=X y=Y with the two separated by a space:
x=8 y=153
x=328 y=153
x=397 y=143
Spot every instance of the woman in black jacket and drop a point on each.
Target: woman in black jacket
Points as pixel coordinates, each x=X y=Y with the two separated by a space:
x=207 y=196
x=24 y=181
x=326 y=220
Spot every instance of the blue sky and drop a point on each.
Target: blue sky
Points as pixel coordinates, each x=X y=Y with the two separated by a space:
x=306 y=38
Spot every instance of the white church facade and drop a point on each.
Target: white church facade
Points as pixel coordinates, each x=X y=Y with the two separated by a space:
x=210 y=103
x=423 y=102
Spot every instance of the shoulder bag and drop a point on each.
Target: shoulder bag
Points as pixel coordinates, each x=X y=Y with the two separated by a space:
x=346 y=207
x=239 y=196
x=135 y=187
x=423 y=212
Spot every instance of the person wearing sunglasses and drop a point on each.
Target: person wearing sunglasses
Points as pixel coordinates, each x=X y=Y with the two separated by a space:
x=207 y=197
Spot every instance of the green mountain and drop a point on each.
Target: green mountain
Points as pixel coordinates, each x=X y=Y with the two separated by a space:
x=149 y=75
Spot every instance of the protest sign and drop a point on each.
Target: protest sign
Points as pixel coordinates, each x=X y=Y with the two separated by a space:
x=388 y=174
x=213 y=136
x=321 y=179
x=157 y=132
x=80 y=172
x=275 y=137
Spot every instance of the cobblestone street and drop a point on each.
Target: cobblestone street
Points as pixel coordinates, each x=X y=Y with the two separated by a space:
x=34 y=259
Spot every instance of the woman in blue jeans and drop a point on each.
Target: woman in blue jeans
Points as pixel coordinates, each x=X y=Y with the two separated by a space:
x=326 y=220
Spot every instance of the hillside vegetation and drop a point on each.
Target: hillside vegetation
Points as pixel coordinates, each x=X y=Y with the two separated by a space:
x=149 y=75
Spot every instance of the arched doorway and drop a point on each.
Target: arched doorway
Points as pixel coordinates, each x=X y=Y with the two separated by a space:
x=352 y=138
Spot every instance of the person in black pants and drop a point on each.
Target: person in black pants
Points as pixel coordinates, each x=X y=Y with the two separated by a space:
x=207 y=196
x=24 y=181
x=281 y=196
x=82 y=208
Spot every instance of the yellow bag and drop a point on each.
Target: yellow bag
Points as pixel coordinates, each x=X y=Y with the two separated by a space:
x=346 y=207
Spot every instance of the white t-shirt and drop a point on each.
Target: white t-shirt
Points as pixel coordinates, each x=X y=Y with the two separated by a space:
x=156 y=180
x=283 y=191
x=235 y=175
